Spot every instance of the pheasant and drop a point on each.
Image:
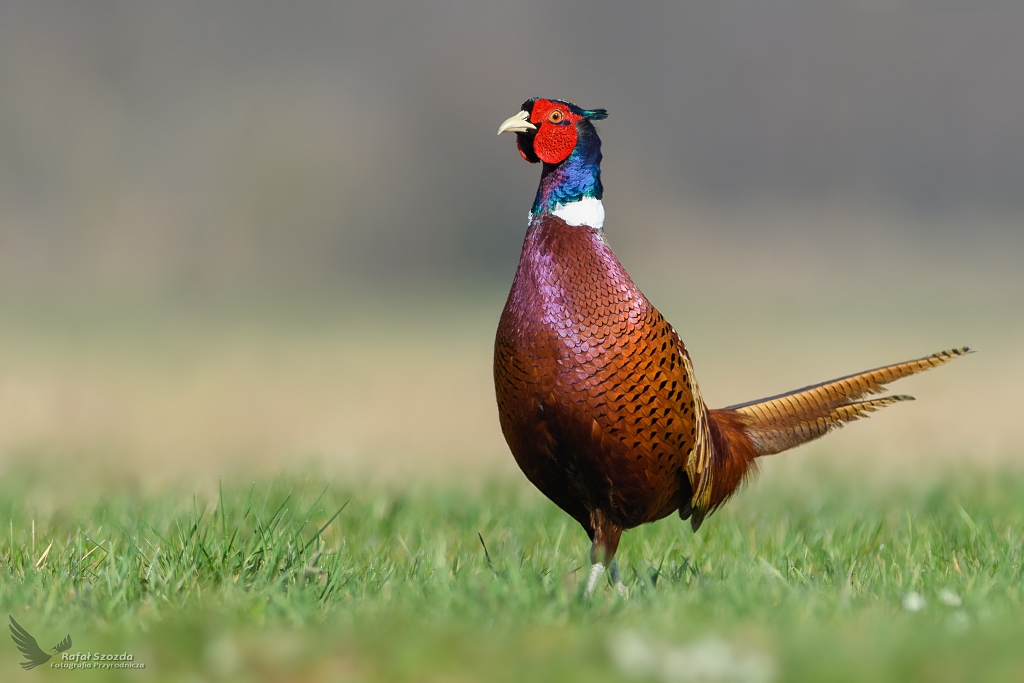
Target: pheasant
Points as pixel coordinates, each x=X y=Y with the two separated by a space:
x=596 y=393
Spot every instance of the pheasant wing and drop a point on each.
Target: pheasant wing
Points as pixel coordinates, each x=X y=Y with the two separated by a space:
x=698 y=465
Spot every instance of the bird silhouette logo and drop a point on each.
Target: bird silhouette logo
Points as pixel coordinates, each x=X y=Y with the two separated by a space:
x=34 y=656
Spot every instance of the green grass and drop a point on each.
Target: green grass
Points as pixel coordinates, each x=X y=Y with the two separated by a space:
x=302 y=580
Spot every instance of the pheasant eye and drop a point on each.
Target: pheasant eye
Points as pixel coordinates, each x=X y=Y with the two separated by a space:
x=556 y=116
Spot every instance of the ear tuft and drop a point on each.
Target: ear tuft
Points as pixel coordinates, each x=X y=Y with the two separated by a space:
x=596 y=114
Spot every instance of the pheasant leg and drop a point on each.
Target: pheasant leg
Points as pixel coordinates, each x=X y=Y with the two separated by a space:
x=596 y=570
x=613 y=574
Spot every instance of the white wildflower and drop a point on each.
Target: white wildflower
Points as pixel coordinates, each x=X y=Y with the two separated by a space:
x=633 y=655
x=950 y=598
x=913 y=602
x=710 y=660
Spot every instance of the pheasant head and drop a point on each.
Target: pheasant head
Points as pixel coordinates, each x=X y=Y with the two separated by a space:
x=562 y=137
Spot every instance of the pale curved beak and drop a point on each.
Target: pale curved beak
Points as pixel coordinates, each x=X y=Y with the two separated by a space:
x=516 y=124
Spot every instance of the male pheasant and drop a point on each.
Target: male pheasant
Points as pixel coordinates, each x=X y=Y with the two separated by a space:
x=596 y=393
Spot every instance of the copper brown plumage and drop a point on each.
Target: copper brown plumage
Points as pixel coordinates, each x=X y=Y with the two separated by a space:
x=594 y=396
x=597 y=397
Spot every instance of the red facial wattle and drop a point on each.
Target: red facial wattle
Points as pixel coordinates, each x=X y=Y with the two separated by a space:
x=556 y=135
x=562 y=136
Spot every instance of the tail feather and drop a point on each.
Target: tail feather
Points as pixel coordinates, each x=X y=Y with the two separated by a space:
x=778 y=423
x=740 y=434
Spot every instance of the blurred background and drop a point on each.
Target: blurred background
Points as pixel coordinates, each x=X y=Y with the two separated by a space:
x=250 y=236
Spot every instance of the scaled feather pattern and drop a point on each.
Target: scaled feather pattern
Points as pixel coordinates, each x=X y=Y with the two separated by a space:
x=597 y=395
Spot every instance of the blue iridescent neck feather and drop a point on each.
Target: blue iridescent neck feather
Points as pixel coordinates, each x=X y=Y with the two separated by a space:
x=575 y=178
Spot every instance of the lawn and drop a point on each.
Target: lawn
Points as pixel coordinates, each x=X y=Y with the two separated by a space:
x=825 y=578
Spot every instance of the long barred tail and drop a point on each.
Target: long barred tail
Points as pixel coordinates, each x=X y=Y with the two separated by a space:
x=777 y=423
